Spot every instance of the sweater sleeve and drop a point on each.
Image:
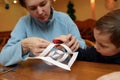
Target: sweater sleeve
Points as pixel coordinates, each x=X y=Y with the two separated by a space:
x=90 y=54
x=12 y=51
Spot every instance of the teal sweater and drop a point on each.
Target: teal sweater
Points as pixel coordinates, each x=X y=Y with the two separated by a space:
x=27 y=26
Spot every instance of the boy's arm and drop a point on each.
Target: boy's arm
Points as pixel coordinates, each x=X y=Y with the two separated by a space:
x=90 y=54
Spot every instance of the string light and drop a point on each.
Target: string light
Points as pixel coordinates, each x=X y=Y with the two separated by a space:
x=15 y=1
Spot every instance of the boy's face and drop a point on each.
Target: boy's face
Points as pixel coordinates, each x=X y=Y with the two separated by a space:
x=103 y=44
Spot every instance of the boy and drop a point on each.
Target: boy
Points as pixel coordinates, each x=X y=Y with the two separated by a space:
x=107 y=36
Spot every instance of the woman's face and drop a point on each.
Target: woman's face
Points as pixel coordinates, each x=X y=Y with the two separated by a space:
x=103 y=44
x=39 y=9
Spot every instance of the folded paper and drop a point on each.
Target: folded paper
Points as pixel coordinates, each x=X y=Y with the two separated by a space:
x=63 y=58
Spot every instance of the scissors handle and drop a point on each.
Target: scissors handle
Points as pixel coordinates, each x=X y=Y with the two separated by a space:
x=57 y=41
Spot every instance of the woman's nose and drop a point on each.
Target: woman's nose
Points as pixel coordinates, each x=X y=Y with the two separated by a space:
x=39 y=10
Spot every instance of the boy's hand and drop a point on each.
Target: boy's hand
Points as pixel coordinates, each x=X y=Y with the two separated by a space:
x=70 y=41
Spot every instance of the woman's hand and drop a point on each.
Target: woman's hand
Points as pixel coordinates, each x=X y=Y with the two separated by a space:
x=70 y=41
x=34 y=44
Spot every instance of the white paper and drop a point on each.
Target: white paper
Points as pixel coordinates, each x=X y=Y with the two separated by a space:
x=57 y=57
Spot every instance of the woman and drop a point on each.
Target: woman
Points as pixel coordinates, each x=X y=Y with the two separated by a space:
x=33 y=32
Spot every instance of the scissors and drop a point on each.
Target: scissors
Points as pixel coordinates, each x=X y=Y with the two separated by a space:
x=57 y=41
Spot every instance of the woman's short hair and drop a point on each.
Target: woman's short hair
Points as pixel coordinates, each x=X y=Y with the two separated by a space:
x=22 y=3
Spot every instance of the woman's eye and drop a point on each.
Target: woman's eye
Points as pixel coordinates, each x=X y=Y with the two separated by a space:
x=32 y=8
x=42 y=5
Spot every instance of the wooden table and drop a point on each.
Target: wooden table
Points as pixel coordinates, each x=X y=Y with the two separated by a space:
x=38 y=70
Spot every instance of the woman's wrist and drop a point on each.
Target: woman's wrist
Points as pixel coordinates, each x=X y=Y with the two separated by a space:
x=25 y=48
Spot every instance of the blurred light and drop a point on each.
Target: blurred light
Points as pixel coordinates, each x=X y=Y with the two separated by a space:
x=92 y=2
x=54 y=0
x=15 y=1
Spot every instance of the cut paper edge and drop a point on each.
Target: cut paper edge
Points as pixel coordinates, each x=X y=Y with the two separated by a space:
x=50 y=61
x=57 y=63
